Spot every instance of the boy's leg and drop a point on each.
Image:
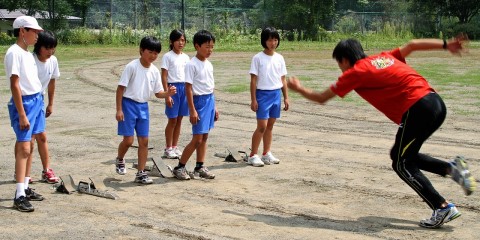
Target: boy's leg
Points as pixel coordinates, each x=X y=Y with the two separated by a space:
x=169 y=132
x=176 y=131
x=124 y=145
x=179 y=171
x=142 y=152
x=202 y=148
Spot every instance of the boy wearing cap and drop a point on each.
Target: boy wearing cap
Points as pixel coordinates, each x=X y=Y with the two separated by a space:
x=26 y=105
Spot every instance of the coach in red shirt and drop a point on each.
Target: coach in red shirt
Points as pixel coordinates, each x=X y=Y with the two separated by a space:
x=406 y=98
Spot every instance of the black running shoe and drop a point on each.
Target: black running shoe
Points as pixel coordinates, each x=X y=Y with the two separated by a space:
x=22 y=204
x=33 y=196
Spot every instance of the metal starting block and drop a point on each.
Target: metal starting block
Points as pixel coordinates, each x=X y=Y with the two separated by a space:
x=228 y=156
x=67 y=185
x=155 y=171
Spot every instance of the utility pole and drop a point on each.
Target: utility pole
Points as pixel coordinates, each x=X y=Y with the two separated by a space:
x=183 y=15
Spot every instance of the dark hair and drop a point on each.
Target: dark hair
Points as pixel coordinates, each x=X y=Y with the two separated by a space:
x=269 y=32
x=16 y=31
x=151 y=43
x=350 y=49
x=45 y=39
x=202 y=37
x=175 y=35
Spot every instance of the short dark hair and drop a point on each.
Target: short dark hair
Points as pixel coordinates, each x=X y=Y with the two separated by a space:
x=269 y=32
x=202 y=37
x=151 y=43
x=175 y=35
x=45 y=39
x=16 y=31
x=349 y=49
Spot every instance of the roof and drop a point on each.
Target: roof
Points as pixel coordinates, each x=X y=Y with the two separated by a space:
x=7 y=15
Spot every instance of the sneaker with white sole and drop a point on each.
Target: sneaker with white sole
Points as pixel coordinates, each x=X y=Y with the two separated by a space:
x=142 y=177
x=120 y=166
x=255 y=161
x=169 y=153
x=270 y=159
x=49 y=176
x=177 y=152
x=462 y=176
x=203 y=172
x=181 y=173
x=32 y=195
x=441 y=216
x=22 y=204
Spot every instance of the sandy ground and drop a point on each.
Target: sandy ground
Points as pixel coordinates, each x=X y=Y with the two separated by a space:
x=334 y=180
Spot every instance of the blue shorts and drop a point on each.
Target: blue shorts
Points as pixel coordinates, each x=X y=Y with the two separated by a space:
x=33 y=106
x=135 y=117
x=205 y=106
x=269 y=103
x=180 y=104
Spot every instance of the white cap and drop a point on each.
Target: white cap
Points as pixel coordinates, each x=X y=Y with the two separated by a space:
x=26 y=22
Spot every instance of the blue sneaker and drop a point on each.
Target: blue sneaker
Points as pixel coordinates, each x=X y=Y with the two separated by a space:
x=441 y=216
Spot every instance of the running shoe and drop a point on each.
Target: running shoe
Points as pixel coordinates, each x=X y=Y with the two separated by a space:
x=268 y=159
x=22 y=204
x=462 y=176
x=169 y=153
x=255 y=161
x=32 y=195
x=49 y=176
x=181 y=173
x=203 y=172
x=120 y=166
x=142 y=177
x=441 y=216
x=177 y=152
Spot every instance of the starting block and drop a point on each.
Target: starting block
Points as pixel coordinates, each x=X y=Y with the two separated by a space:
x=228 y=156
x=158 y=170
x=68 y=186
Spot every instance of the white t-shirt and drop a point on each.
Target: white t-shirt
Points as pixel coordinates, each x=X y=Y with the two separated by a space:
x=140 y=82
x=21 y=63
x=200 y=75
x=269 y=70
x=47 y=71
x=175 y=65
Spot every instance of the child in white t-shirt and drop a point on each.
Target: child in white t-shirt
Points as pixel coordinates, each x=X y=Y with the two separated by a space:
x=48 y=72
x=201 y=103
x=267 y=83
x=25 y=108
x=176 y=106
x=140 y=79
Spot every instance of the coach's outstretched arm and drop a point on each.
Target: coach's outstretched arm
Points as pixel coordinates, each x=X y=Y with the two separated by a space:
x=455 y=45
x=294 y=84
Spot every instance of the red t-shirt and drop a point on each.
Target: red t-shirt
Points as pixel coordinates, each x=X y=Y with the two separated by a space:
x=386 y=82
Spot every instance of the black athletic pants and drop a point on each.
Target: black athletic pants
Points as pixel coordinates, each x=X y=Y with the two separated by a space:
x=417 y=125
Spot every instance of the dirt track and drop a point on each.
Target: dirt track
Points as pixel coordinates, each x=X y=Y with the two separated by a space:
x=334 y=180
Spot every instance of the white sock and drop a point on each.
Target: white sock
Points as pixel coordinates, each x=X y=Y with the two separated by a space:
x=27 y=180
x=20 y=190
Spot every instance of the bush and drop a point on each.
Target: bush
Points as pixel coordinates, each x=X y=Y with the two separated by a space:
x=5 y=39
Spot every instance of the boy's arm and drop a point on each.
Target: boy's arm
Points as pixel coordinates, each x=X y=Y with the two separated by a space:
x=319 y=97
x=253 y=92
x=17 y=100
x=51 y=95
x=118 y=101
x=285 y=93
x=164 y=94
x=455 y=45
x=164 y=76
